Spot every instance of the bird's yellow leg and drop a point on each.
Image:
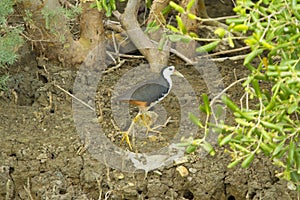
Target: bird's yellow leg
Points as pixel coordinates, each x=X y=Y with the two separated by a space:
x=126 y=138
x=126 y=133
x=148 y=121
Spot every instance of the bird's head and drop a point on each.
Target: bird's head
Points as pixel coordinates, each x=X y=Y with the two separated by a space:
x=170 y=70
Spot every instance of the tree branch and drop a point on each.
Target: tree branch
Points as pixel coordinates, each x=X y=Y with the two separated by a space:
x=128 y=19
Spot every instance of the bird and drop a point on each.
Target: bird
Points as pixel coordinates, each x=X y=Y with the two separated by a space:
x=146 y=95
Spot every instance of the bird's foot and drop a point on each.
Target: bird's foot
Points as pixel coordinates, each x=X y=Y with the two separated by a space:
x=126 y=138
x=153 y=130
x=126 y=133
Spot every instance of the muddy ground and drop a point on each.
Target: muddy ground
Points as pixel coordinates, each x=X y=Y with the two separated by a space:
x=43 y=156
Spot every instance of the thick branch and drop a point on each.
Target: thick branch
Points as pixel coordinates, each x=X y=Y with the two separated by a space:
x=129 y=21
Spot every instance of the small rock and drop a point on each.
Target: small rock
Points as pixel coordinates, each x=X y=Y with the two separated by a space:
x=182 y=171
x=192 y=170
x=181 y=160
x=157 y=172
x=119 y=176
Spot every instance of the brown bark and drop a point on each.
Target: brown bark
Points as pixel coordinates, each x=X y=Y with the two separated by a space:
x=203 y=13
x=52 y=37
x=202 y=9
x=156 y=11
x=156 y=58
x=92 y=32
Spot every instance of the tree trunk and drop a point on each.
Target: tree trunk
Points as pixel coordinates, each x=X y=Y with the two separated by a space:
x=156 y=58
x=48 y=30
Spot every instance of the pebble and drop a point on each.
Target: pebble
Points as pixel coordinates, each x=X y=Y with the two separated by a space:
x=157 y=172
x=192 y=170
x=119 y=176
x=181 y=160
x=182 y=171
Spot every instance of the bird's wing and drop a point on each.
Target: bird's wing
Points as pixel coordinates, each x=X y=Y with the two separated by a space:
x=149 y=92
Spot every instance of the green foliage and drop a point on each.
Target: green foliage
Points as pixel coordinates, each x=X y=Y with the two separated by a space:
x=10 y=39
x=267 y=118
x=3 y=82
x=181 y=31
x=9 y=42
x=108 y=6
x=272 y=126
x=6 y=8
x=53 y=18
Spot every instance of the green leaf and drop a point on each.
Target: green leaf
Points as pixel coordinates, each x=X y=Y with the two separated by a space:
x=230 y=104
x=152 y=27
x=252 y=55
x=176 y=7
x=267 y=45
x=195 y=120
x=230 y=41
x=172 y=28
x=190 y=5
x=240 y=147
x=206 y=104
x=256 y=87
x=226 y=139
x=271 y=125
x=290 y=158
x=220 y=32
x=208 y=148
x=266 y=148
x=193 y=35
x=233 y=164
x=292 y=108
x=248 y=160
x=243 y=122
x=278 y=148
x=297 y=159
x=191 y=149
x=181 y=25
x=266 y=135
x=208 y=47
x=295 y=176
x=162 y=42
x=235 y=20
x=192 y=16
x=179 y=38
x=240 y=27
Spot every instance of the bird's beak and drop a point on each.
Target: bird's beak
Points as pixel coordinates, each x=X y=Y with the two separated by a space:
x=177 y=73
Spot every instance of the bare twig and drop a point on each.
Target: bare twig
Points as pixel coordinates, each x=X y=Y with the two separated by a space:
x=217 y=18
x=239 y=57
x=33 y=40
x=126 y=55
x=114 y=25
x=99 y=181
x=115 y=45
x=80 y=151
x=115 y=67
x=28 y=190
x=227 y=88
x=227 y=51
x=67 y=4
x=71 y=95
x=191 y=62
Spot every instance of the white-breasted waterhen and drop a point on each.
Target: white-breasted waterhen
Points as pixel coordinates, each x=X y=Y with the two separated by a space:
x=147 y=94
